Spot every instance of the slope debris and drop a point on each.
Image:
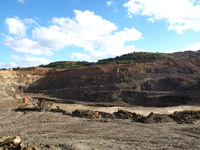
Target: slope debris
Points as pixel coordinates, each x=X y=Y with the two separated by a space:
x=179 y=117
x=14 y=143
x=41 y=106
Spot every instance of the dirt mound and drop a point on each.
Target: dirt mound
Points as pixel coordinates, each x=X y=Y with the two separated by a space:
x=39 y=106
x=155 y=118
x=91 y=114
x=186 y=116
x=179 y=117
x=122 y=114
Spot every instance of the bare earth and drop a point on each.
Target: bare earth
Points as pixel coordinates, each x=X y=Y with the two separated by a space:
x=49 y=130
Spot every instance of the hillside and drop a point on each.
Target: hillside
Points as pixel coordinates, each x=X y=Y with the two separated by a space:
x=130 y=58
x=67 y=64
x=149 y=80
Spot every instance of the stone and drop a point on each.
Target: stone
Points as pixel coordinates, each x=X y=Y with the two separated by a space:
x=31 y=148
x=15 y=140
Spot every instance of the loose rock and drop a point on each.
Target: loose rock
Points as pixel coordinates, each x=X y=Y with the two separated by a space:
x=15 y=143
x=155 y=118
x=186 y=116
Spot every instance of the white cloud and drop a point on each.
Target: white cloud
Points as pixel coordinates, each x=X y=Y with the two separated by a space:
x=81 y=32
x=173 y=51
x=193 y=47
x=180 y=14
x=8 y=65
x=21 y=1
x=25 y=45
x=114 y=45
x=86 y=24
x=109 y=3
x=112 y=4
x=28 y=61
x=22 y=45
x=18 y=41
x=16 y=26
x=112 y=52
x=80 y=57
x=98 y=37
x=51 y=38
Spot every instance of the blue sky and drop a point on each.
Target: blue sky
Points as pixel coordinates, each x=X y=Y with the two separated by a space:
x=35 y=32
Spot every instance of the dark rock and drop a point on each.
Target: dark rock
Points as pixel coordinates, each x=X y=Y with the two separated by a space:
x=155 y=118
x=186 y=116
x=91 y=114
x=41 y=106
x=123 y=114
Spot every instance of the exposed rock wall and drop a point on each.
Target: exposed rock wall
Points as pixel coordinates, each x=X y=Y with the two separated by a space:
x=159 y=83
x=15 y=81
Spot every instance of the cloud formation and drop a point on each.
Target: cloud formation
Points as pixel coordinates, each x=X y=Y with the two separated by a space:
x=21 y=1
x=99 y=38
x=16 y=26
x=180 y=14
x=112 y=4
x=17 y=39
x=28 y=61
x=8 y=65
x=193 y=47
x=80 y=57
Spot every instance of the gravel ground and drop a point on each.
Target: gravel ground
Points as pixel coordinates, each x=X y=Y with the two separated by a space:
x=48 y=130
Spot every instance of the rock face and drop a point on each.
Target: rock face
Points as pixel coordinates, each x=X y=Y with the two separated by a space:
x=14 y=81
x=158 y=83
x=149 y=83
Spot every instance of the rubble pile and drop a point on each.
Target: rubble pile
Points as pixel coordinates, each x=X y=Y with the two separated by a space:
x=186 y=116
x=39 y=106
x=91 y=114
x=14 y=143
x=155 y=118
x=179 y=117
x=122 y=114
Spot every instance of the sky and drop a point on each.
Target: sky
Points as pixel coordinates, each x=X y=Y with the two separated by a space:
x=35 y=32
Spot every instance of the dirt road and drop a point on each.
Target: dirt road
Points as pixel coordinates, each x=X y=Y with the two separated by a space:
x=49 y=130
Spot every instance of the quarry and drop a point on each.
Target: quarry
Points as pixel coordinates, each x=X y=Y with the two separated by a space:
x=150 y=103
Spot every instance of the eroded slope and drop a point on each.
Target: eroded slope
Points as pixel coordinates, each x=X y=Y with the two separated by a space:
x=158 y=83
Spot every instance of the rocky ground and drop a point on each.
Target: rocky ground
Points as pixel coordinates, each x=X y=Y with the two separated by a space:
x=51 y=130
